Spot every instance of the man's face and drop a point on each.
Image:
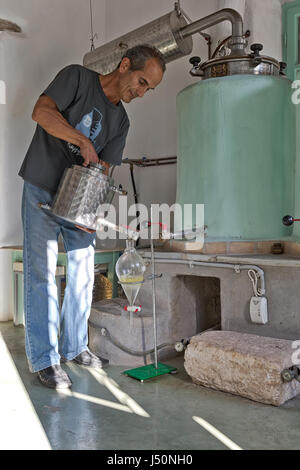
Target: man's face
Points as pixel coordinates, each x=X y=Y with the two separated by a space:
x=135 y=83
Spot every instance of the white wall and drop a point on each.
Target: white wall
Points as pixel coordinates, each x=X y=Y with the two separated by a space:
x=266 y=25
x=55 y=33
x=262 y=18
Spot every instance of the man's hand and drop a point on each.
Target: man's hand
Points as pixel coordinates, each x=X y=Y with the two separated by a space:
x=105 y=165
x=88 y=152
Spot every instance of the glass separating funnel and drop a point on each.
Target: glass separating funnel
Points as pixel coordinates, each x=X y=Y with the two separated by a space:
x=130 y=270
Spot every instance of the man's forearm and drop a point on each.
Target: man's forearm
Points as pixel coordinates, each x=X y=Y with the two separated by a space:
x=52 y=121
x=48 y=116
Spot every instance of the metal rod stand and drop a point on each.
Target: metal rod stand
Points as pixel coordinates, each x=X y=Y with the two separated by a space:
x=153 y=296
x=156 y=369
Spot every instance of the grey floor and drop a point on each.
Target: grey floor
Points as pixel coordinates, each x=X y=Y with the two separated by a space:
x=108 y=410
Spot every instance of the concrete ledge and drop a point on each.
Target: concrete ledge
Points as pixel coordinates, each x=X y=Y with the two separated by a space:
x=242 y=364
x=283 y=260
x=231 y=247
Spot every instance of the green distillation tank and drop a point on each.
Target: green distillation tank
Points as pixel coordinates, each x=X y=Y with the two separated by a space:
x=236 y=148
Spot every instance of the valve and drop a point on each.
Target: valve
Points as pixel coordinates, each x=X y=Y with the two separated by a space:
x=133 y=308
x=256 y=49
x=289 y=220
x=283 y=66
x=195 y=61
x=181 y=345
x=196 y=71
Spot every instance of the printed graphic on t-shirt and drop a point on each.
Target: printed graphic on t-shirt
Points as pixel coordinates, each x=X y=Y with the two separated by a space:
x=90 y=126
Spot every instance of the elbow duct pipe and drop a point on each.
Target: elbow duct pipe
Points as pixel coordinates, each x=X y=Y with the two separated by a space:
x=171 y=34
x=237 y=43
x=218 y=17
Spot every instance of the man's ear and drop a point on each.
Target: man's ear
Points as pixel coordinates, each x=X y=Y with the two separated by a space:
x=124 y=65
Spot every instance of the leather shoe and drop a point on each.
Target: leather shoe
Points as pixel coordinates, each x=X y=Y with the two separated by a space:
x=54 y=377
x=88 y=359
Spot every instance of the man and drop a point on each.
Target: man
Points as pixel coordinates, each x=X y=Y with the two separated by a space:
x=80 y=119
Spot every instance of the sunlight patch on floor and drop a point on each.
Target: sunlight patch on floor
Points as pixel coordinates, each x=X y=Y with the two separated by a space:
x=91 y=399
x=102 y=377
x=217 y=434
x=18 y=415
x=125 y=402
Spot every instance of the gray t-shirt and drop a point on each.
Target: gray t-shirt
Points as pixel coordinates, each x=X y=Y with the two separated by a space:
x=79 y=97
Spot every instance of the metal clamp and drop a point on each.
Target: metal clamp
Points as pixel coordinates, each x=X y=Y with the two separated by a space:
x=119 y=190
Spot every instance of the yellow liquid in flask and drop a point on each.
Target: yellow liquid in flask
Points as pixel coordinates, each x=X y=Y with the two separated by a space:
x=131 y=286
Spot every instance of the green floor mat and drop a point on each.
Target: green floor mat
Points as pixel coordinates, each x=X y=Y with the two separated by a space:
x=150 y=371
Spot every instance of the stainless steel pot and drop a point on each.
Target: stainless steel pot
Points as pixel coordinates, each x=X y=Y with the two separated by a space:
x=80 y=193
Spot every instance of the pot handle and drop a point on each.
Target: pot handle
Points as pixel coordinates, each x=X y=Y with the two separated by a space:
x=119 y=190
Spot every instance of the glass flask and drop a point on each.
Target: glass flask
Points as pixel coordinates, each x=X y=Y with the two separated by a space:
x=130 y=270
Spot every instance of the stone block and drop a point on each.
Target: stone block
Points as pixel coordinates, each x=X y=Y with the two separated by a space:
x=242 y=364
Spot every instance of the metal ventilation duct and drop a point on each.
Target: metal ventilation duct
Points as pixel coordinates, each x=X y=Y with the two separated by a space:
x=162 y=33
x=171 y=34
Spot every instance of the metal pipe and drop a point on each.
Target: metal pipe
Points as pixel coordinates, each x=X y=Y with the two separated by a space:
x=131 y=234
x=105 y=333
x=145 y=160
x=153 y=296
x=151 y=161
x=185 y=234
x=218 y=17
x=135 y=199
x=206 y=36
x=237 y=267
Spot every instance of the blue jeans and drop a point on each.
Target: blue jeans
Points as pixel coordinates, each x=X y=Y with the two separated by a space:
x=48 y=333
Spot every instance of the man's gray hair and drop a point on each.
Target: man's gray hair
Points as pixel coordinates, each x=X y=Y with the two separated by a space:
x=138 y=56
